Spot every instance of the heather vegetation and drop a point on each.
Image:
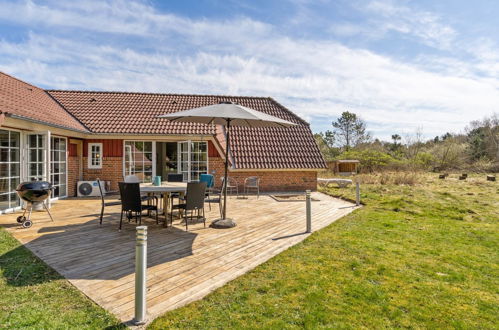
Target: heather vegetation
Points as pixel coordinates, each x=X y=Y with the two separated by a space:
x=474 y=150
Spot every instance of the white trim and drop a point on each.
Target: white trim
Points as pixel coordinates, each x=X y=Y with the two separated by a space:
x=89 y=155
x=276 y=169
x=66 y=163
x=153 y=160
x=22 y=165
x=124 y=158
x=153 y=151
x=189 y=153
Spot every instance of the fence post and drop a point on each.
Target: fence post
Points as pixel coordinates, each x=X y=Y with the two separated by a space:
x=140 y=275
x=357 y=193
x=309 y=212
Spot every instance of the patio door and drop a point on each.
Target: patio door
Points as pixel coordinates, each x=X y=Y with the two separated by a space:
x=58 y=165
x=184 y=149
x=10 y=169
x=193 y=159
x=37 y=145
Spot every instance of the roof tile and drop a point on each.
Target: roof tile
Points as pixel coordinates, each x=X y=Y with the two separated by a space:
x=251 y=148
x=27 y=101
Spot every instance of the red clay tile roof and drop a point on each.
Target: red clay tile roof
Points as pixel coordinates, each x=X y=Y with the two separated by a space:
x=132 y=113
x=22 y=100
x=136 y=113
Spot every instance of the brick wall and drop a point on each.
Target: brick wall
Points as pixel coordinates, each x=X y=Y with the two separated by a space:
x=269 y=180
x=112 y=170
x=73 y=174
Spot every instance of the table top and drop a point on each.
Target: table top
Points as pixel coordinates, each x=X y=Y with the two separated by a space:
x=165 y=187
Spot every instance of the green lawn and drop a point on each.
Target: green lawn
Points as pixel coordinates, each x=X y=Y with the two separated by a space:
x=424 y=256
x=32 y=295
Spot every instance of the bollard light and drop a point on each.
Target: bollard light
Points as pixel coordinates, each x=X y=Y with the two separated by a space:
x=140 y=275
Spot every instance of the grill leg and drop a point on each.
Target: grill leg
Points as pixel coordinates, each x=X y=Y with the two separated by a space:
x=30 y=210
x=25 y=209
x=47 y=209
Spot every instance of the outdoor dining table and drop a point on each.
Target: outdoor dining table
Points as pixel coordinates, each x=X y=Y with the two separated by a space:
x=166 y=189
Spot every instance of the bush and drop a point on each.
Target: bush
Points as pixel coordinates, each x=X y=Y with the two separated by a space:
x=370 y=160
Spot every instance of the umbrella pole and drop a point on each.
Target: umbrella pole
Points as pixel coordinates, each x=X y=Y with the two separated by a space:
x=224 y=222
x=227 y=146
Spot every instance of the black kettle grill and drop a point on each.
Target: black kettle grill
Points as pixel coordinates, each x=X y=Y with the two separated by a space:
x=33 y=192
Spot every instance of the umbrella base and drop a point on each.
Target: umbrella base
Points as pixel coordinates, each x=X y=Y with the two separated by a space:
x=223 y=224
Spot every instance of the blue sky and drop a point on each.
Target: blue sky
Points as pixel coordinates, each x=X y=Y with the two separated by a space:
x=403 y=66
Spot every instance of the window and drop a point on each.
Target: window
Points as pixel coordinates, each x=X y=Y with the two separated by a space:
x=94 y=155
x=193 y=159
x=10 y=142
x=36 y=157
x=139 y=159
x=58 y=166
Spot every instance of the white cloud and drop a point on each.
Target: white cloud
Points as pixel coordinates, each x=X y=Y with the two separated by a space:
x=385 y=16
x=426 y=26
x=315 y=78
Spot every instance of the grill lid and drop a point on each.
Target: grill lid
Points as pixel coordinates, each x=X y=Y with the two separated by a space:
x=34 y=185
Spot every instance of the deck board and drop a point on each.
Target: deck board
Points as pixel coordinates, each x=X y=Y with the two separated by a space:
x=182 y=266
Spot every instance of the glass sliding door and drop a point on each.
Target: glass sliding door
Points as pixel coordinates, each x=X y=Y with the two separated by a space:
x=183 y=151
x=10 y=169
x=199 y=159
x=36 y=157
x=58 y=166
x=166 y=158
x=193 y=159
x=139 y=159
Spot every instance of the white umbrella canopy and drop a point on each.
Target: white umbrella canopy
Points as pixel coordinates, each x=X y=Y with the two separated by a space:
x=227 y=114
x=222 y=113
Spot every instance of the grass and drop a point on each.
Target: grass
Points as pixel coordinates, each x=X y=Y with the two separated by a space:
x=32 y=295
x=424 y=255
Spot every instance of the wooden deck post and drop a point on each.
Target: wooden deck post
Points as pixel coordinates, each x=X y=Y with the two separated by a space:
x=357 y=193
x=140 y=275
x=309 y=212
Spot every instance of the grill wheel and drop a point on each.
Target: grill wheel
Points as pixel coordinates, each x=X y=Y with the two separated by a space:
x=27 y=224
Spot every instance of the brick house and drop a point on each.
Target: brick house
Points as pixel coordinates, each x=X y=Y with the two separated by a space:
x=67 y=136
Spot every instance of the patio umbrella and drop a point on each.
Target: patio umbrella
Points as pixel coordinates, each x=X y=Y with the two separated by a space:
x=227 y=114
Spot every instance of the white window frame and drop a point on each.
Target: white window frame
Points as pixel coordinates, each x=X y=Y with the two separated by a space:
x=66 y=165
x=189 y=160
x=22 y=166
x=90 y=155
x=128 y=150
x=44 y=162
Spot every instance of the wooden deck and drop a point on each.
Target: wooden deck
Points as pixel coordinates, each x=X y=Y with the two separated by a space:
x=182 y=266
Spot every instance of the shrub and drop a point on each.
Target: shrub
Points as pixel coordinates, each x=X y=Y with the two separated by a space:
x=370 y=160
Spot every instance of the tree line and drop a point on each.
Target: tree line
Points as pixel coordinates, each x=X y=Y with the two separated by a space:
x=477 y=149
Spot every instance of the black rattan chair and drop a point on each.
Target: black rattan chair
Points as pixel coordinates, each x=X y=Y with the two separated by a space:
x=131 y=202
x=104 y=203
x=173 y=177
x=194 y=201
